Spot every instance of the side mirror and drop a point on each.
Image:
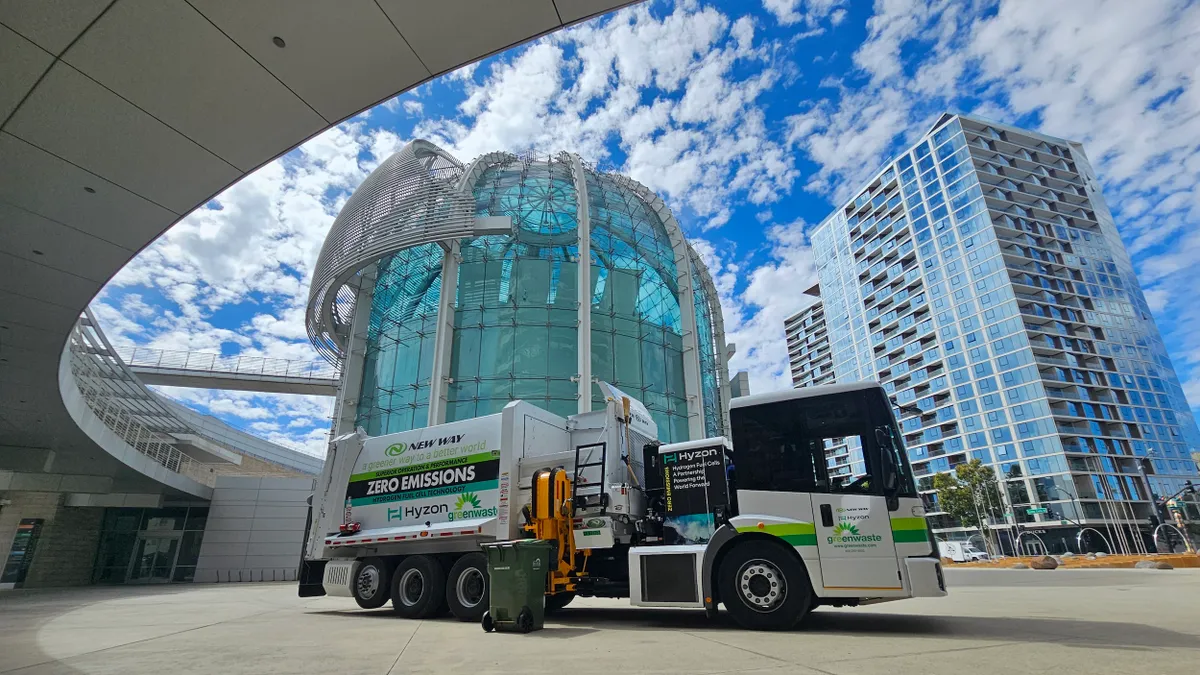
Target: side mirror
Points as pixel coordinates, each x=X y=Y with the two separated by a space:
x=890 y=477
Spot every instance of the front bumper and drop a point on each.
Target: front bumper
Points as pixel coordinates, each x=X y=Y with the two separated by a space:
x=925 y=577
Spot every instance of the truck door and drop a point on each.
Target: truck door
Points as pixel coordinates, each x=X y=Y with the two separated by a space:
x=854 y=531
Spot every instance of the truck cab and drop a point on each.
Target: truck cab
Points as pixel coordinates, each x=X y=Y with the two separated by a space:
x=797 y=535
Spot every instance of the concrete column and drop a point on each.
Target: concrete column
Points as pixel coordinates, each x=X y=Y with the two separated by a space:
x=443 y=341
x=583 y=272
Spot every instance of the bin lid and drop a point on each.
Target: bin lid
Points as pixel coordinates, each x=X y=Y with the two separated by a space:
x=520 y=543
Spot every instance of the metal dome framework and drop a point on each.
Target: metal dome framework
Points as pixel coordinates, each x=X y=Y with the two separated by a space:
x=422 y=195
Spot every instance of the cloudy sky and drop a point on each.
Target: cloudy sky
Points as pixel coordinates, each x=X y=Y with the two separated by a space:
x=752 y=120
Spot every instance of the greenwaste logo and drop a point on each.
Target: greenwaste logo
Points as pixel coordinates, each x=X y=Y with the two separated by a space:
x=467 y=498
x=396 y=449
x=844 y=529
x=847 y=535
x=469 y=505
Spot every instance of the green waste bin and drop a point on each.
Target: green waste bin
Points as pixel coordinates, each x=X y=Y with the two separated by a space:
x=517 y=572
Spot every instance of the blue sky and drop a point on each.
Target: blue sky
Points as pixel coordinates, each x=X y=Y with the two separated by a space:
x=752 y=119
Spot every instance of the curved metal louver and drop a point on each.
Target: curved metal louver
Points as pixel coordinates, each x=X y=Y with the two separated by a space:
x=411 y=199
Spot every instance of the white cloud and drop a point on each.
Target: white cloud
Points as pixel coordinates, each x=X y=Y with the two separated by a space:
x=414 y=107
x=702 y=130
x=808 y=12
x=295 y=421
x=252 y=248
x=754 y=316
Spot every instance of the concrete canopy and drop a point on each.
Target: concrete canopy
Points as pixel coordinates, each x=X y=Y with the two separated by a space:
x=117 y=118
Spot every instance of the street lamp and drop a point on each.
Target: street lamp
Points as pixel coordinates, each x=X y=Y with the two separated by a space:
x=1074 y=498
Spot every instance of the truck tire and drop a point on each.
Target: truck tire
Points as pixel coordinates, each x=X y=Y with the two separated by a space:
x=763 y=586
x=556 y=602
x=418 y=587
x=371 y=583
x=467 y=587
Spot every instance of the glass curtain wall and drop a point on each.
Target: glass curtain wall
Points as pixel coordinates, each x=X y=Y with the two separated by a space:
x=400 y=341
x=516 y=303
x=637 y=339
x=515 y=319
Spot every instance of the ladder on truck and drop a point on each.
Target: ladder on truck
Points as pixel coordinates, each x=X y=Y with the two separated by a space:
x=587 y=488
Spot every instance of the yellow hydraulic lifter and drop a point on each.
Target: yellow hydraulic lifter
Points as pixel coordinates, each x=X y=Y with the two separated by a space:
x=549 y=517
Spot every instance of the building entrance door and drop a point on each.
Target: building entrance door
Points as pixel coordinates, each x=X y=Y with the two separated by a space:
x=154 y=557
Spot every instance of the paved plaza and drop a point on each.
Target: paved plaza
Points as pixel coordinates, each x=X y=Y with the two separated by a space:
x=995 y=621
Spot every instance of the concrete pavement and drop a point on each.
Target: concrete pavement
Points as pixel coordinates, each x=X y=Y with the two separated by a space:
x=995 y=621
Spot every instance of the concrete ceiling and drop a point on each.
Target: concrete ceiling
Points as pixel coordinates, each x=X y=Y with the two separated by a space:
x=119 y=118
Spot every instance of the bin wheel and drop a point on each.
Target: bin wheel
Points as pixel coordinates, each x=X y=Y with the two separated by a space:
x=486 y=623
x=525 y=620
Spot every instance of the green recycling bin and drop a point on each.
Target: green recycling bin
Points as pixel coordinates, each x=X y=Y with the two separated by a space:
x=517 y=571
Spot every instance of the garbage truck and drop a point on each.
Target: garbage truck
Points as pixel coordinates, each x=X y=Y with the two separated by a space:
x=759 y=522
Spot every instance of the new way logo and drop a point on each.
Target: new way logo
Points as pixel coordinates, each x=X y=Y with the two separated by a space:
x=396 y=449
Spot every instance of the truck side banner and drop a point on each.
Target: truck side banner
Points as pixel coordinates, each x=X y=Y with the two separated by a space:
x=443 y=474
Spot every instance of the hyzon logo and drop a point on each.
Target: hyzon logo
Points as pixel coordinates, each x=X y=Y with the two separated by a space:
x=396 y=449
x=469 y=505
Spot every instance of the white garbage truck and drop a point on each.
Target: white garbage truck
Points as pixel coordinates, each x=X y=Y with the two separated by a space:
x=759 y=522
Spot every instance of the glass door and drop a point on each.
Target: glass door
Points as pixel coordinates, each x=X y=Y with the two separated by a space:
x=153 y=558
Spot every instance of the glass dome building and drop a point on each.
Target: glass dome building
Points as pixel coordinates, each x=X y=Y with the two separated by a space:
x=448 y=290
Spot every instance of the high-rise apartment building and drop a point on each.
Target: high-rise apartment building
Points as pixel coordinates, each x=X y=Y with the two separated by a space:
x=981 y=278
x=809 y=356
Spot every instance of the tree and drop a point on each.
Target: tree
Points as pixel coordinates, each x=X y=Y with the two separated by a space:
x=970 y=494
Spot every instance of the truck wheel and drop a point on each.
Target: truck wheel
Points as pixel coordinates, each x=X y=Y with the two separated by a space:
x=764 y=587
x=467 y=587
x=418 y=587
x=370 y=583
x=556 y=602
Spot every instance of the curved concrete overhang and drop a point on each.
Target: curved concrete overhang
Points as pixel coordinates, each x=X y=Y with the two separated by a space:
x=102 y=435
x=118 y=118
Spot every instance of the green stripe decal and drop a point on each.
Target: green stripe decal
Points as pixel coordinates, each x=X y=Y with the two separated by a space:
x=447 y=463
x=909 y=530
x=908 y=524
x=796 y=534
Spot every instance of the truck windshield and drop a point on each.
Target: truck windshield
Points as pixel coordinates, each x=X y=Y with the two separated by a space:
x=819 y=444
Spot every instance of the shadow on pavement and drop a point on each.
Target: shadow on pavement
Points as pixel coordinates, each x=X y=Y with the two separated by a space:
x=1074 y=632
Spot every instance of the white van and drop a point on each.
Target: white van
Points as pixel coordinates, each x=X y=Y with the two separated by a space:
x=960 y=551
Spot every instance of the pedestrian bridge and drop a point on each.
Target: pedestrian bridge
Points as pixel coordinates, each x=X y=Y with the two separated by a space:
x=206 y=370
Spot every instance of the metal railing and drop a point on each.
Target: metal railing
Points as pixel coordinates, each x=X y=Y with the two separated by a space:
x=145 y=357
x=126 y=407
x=143 y=439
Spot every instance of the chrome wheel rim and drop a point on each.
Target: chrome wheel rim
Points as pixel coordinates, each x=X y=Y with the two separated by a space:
x=761 y=585
x=367 y=583
x=470 y=587
x=412 y=586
